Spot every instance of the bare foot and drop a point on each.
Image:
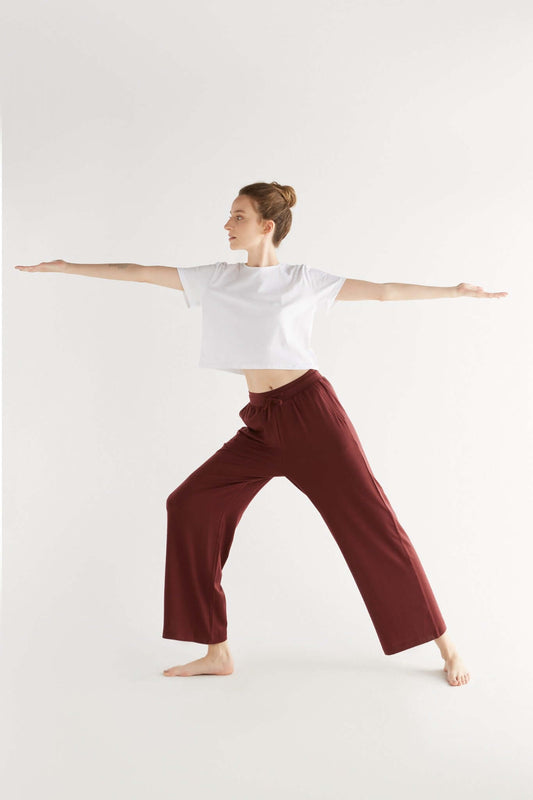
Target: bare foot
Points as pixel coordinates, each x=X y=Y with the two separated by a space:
x=457 y=672
x=220 y=663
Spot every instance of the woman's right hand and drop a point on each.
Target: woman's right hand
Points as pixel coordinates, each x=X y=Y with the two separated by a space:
x=58 y=265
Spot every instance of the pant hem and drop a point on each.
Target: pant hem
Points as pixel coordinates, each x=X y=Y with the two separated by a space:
x=199 y=640
x=390 y=651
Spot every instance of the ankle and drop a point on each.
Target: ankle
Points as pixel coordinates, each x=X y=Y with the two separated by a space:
x=447 y=654
x=446 y=646
x=221 y=648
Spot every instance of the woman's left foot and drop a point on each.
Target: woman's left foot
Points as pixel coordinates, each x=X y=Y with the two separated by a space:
x=457 y=673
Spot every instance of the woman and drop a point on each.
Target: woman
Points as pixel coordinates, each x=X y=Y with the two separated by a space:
x=257 y=321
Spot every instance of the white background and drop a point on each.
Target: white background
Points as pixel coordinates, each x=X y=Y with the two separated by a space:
x=128 y=129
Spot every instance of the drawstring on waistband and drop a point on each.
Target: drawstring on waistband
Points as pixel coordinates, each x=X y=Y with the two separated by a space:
x=270 y=402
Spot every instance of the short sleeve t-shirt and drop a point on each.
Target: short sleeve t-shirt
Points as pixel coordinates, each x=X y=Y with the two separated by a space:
x=258 y=317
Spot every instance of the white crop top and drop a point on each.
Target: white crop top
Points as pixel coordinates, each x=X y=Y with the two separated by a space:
x=258 y=317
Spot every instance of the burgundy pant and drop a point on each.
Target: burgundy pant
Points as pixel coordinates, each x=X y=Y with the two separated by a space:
x=300 y=431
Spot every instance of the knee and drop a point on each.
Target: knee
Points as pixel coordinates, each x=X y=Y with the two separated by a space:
x=174 y=499
x=182 y=501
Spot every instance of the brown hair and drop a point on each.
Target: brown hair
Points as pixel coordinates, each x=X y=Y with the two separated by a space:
x=272 y=201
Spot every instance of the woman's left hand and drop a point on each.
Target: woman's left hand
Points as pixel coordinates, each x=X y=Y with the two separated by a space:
x=469 y=290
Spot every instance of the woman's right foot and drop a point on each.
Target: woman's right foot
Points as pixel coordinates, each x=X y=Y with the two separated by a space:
x=218 y=662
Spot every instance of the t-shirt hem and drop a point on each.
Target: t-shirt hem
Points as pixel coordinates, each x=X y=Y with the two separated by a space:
x=187 y=289
x=332 y=300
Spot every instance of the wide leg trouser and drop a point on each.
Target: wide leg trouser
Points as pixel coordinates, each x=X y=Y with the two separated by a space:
x=302 y=432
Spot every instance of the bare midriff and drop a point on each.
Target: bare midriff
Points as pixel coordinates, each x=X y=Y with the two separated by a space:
x=263 y=380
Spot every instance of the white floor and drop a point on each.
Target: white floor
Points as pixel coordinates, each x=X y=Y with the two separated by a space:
x=286 y=725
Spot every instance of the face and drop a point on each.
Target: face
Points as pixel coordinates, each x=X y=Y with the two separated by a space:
x=244 y=226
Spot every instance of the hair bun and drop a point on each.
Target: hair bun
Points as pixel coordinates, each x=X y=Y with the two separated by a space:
x=289 y=195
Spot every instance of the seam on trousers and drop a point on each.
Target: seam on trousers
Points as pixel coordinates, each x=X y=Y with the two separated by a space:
x=333 y=410
x=422 y=590
x=278 y=432
x=213 y=570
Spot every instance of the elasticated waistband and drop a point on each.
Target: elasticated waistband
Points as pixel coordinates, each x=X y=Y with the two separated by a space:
x=288 y=389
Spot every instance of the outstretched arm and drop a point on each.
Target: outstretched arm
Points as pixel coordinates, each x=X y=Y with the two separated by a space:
x=353 y=289
x=163 y=276
x=413 y=291
x=117 y=272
